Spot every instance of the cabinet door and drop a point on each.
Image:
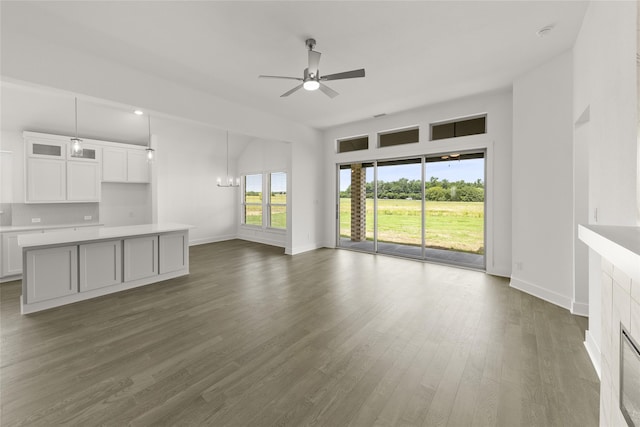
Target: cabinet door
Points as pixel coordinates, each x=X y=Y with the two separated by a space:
x=51 y=273
x=46 y=180
x=46 y=149
x=174 y=252
x=12 y=253
x=6 y=177
x=83 y=181
x=100 y=264
x=137 y=166
x=140 y=258
x=114 y=164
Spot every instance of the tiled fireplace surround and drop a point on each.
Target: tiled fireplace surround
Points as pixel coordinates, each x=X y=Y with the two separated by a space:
x=620 y=304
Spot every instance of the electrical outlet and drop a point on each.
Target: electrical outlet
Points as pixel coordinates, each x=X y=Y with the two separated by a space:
x=35 y=220
x=87 y=217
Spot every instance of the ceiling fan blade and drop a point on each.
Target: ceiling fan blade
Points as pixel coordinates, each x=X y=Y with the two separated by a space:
x=345 y=75
x=314 y=62
x=328 y=91
x=291 y=91
x=279 y=77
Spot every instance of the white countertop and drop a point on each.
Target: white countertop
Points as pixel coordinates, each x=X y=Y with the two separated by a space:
x=618 y=244
x=93 y=234
x=10 y=228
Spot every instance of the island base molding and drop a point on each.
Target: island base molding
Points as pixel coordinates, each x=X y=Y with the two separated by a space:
x=70 y=299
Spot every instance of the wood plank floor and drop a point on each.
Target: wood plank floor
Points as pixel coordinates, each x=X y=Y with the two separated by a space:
x=330 y=338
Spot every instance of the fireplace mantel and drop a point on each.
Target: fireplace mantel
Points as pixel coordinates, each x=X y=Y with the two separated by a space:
x=619 y=244
x=618 y=289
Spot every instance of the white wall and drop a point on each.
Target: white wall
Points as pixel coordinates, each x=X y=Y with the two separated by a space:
x=260 y=156
x=189 y=159
x=543 y=182
x=497 y=142
x=11 y=140
x=605 y=84
x=307 y=207
x=125 y=204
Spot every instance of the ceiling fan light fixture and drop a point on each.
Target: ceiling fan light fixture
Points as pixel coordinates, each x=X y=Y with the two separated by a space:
x=311 y=85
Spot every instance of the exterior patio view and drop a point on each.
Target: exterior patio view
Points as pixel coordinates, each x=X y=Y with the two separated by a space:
x=440 y=220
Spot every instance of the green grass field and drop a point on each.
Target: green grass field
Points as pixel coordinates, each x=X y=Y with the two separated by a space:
x=449 y=225
x=278 y=213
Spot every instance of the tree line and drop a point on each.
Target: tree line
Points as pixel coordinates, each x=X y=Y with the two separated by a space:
x=435 y=190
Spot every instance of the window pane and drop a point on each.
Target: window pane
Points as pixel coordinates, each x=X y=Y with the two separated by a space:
x=353 y=144
x=279 y=188
x=279 y=217
x=446 y=130
x=253 y=189
x=253 y=215
x=471 y=127
x=406 y=136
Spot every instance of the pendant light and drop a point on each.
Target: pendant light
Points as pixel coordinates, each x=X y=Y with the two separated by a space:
x=229 y=180
x=76 y=143
x=150 y=151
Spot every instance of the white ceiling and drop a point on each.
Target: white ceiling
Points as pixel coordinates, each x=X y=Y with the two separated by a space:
x=415 y=53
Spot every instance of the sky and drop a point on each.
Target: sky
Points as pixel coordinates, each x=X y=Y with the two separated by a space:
x=278 y=182
x=469 y=170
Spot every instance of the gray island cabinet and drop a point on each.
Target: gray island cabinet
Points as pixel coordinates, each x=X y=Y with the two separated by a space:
x=68 y=266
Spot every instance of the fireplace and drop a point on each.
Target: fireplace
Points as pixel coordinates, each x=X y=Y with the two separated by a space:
x=629 y=378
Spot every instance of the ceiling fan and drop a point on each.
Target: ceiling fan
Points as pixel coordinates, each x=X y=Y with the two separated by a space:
x=312 y=79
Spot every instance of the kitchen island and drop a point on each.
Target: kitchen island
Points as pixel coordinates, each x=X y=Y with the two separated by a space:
x=68 y=266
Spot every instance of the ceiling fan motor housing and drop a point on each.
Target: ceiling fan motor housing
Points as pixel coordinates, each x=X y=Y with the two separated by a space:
x=310 y=43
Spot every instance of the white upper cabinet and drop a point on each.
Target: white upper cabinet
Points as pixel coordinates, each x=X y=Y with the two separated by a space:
x=124 y=165
x=46 y=180
x=54 y=175
x=83 y=181
x=137 y=166
x=114 y=164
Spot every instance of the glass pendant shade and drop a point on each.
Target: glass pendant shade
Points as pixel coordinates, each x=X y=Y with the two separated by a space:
x=76 y=143
x=229 y=181
x=150 y=151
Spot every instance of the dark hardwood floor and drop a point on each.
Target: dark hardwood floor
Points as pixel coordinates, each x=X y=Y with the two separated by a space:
x=330 y=338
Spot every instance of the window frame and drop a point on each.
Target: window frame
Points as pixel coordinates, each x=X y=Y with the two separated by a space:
x=265 y=204
x=269 y=224
x=244 y=200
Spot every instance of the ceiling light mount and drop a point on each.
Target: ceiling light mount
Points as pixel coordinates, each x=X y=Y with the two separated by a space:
x=545 y=31
x=310 y=43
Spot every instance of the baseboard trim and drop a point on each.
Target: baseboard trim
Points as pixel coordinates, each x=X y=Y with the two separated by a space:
x=579 y=308
x=594 y=352
x=540 y=292
x=301 y=249
x=205 y=240
x=264 y=241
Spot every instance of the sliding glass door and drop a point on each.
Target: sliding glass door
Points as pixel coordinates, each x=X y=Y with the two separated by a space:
x=430 y=207
x=454 y=209
x=399 y=207
x=356 y=206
